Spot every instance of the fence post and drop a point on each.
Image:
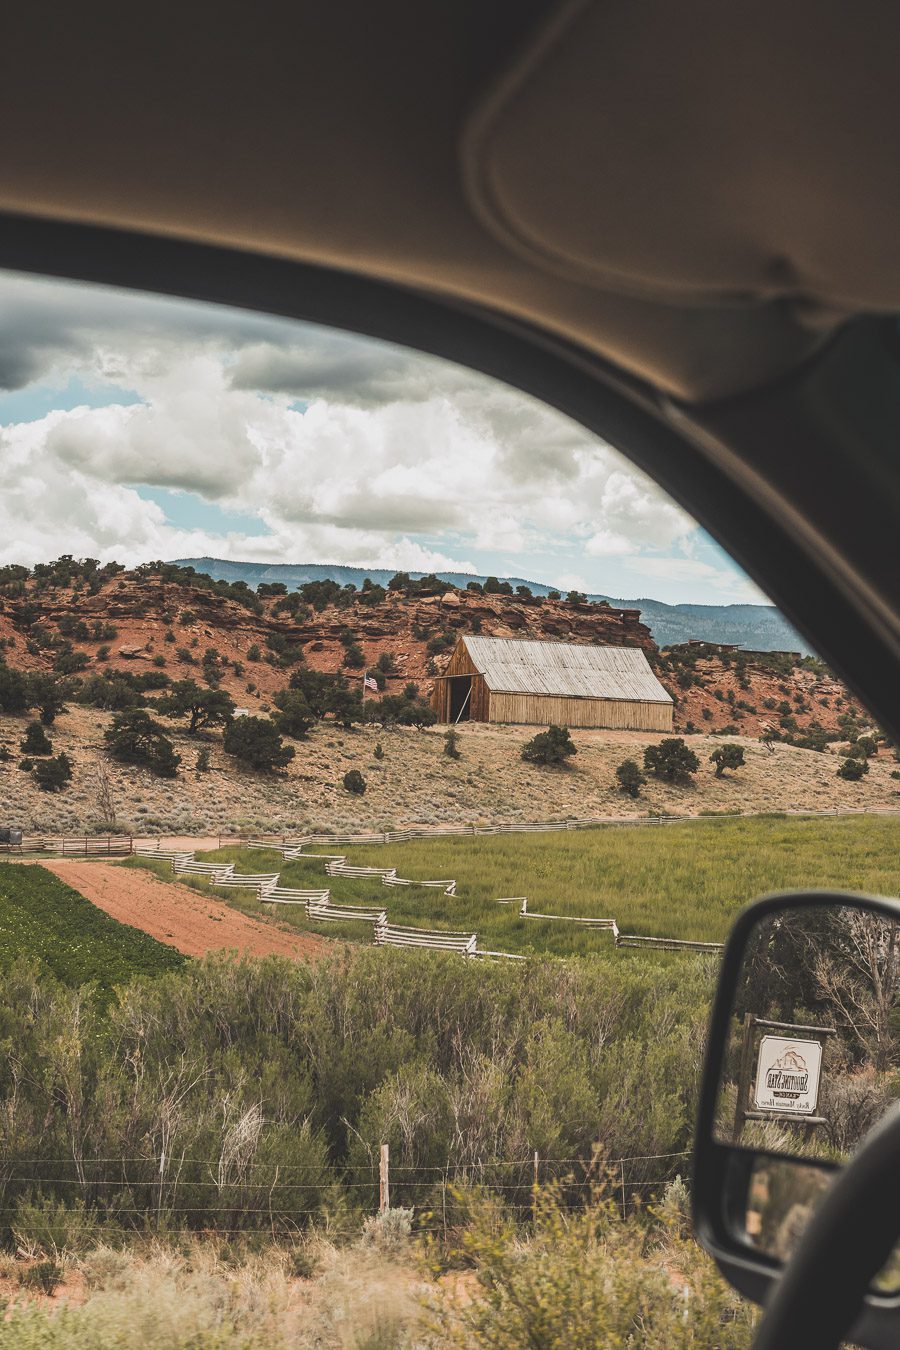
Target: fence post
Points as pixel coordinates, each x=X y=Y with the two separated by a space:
x=743 y=1084
x=622 y=1179
x=384 y=1180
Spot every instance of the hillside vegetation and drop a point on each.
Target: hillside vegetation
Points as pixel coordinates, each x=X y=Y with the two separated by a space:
x=253 y=1096
x=170 y=622
x=567 y=1280
x=164 y=620
x=412 y=781
x=137 y=677
x=43 y=918
x=760 y=626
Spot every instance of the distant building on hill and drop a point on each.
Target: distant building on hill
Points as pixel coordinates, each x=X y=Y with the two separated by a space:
x=719 y=647
x=537 y=683
x=714 y=646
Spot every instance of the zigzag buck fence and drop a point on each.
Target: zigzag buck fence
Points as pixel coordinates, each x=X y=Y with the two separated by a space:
x=320 y=908
x=146 y=1196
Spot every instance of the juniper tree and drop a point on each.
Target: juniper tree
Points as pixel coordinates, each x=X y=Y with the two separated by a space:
x=551 y=747
x=727 y=757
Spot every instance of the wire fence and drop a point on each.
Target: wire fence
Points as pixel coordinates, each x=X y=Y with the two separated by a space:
x=150 y=1196
x=532 y=827
x=99 y=846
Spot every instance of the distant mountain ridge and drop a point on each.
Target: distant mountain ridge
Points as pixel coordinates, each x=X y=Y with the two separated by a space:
x=758 y=627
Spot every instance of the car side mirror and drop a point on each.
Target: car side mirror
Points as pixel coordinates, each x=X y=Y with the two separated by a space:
x=801 y=1063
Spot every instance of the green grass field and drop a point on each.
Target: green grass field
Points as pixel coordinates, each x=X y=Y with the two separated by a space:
x=686 y=880
x=42 y=917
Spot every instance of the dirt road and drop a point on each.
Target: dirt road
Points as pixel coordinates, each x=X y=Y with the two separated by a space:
x=193 y=923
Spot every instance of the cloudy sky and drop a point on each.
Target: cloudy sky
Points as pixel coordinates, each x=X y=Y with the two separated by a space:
x=135 y=428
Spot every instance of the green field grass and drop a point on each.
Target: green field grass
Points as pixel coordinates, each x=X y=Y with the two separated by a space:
x=686 y=880
x=42 y=917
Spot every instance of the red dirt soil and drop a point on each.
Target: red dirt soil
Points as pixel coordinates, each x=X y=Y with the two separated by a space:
x=178 y=916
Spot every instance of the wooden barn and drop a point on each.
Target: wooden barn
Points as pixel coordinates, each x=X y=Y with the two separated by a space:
x=536 y=683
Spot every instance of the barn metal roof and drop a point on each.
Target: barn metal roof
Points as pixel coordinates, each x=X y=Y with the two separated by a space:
x=564 y=669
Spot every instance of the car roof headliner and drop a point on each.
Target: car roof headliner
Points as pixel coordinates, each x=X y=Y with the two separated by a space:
x=700 y=194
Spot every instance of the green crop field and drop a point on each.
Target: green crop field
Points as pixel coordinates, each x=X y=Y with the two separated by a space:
x=686 y=880
x=42 y=917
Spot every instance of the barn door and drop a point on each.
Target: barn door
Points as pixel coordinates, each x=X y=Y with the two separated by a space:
x=460 y=698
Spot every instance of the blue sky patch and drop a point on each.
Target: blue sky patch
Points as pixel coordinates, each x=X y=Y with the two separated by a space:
x=37 y=400
x=190 y=511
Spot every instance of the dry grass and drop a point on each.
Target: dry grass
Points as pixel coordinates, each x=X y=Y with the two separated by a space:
x=416 y=782
x=206 y=1296
x=574 y=1278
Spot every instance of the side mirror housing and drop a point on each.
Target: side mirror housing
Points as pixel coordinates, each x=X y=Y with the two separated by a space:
x=802 y=1061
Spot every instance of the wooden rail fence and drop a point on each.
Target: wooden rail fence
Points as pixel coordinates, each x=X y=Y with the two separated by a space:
x=292 y=895
x=666 y=944
x=448 y=887
x=75 y=846
x=320 y=907
x=609 y=925
x=332 y=913
x=249 y=881
x=166 y=855
x=394 y=935
x=214 y=871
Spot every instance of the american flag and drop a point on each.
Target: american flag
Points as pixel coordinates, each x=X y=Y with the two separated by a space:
x=369 y=683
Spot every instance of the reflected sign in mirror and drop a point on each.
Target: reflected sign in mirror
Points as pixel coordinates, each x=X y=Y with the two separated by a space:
x=813 y=1032
x=787 y=1075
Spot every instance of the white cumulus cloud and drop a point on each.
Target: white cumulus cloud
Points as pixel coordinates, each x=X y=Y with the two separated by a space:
x=341 y=449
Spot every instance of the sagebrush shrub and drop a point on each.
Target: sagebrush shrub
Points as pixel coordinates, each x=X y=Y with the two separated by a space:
x=389 y=1230
x=590 y=1278
x=451 y=744
x=54 y=1227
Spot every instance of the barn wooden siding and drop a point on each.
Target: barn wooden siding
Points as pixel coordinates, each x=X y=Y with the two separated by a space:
x=460 y=662
x=608 y=713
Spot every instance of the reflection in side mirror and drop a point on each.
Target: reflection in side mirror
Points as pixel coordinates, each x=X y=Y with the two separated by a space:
x=782 y=1197
x=812 y=1033
x=803 y=1060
